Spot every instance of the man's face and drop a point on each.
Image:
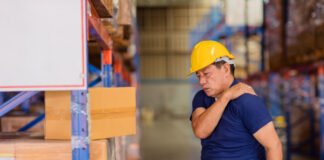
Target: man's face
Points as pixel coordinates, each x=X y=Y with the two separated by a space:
x=212 y=80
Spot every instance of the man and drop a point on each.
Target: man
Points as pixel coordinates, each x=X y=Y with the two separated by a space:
x=230 y=120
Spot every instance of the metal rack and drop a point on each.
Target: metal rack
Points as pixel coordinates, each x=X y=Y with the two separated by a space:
x=79 y=110
x=280 y=94
x=321 y=101
x=213 y=27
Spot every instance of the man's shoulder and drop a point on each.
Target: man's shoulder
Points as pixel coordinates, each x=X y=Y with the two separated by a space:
x=248 y=100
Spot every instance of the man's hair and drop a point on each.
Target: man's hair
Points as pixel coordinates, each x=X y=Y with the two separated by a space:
x=220 y=63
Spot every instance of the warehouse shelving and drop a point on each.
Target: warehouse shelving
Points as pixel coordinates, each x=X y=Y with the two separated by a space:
x=276 y=87
x=79 y=113
x=213 y=27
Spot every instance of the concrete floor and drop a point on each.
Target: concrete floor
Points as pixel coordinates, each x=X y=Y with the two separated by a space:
x=168 y=139
x=172 y=139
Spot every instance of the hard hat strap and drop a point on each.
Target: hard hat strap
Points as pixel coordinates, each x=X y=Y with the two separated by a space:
x=226 y=59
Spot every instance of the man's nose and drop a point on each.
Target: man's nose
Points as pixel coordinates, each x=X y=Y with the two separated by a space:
x=202 y=80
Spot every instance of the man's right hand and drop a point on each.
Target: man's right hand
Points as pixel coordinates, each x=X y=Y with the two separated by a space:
x=237 y=90
x=204 y=121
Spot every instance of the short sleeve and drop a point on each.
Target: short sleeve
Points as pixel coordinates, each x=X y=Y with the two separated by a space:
x=198 y=101
x=254 y=113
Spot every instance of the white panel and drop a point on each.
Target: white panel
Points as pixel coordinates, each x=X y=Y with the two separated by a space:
x=42 y=45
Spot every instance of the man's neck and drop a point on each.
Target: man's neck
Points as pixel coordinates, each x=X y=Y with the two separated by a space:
x=229 y=81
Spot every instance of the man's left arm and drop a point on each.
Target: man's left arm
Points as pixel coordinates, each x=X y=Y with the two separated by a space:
x=258 y=121
x=269 y=139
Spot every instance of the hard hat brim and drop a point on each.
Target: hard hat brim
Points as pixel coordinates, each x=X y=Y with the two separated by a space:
x=189 y=74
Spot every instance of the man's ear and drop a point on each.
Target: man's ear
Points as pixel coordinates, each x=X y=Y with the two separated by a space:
x=227 y=68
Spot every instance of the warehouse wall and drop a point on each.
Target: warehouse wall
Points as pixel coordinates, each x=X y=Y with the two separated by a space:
x=164 y=59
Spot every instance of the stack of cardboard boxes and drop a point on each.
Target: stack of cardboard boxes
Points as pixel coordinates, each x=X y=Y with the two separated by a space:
x=111 y=113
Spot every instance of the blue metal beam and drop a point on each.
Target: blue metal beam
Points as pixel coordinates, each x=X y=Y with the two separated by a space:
x=79 y=118
x=107 y=79
x=32 y=123
x=15 y=101
x=94 y=70
x=94 y=82
x=25 y=106
x=107 y=82
x=118 y=79
x=1 y=97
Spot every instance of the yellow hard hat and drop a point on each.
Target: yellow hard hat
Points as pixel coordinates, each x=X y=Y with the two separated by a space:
x=205 y=53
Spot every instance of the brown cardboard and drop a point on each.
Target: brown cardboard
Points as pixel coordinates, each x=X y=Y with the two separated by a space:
x=58 y=115
x=112 y=113
x=7 y=149
x=13 y=123
x=123 y=15
x=38 y=149
x=98 y=150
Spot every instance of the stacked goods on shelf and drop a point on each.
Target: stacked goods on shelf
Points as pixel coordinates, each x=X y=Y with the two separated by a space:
x=295 y=94
x=112 y=113
x=124 y=14
x=254 y=44
x=273 y=42
x=29 y=148
x=238 y=50
x=300 y=32
x=14 y=123
x=304 y=29
x=301 y=106
x=20 y=117
x=319 y=28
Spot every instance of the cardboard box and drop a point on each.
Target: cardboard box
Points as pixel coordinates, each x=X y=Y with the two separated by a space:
x=7 y=149
x=14 y=123
x=112 y=113
x=38 y=149
x=123 y=14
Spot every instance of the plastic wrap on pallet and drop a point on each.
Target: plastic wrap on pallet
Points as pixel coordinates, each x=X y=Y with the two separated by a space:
x=79 y=142
x=78 y=109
